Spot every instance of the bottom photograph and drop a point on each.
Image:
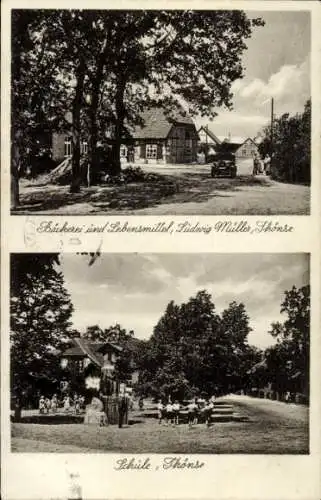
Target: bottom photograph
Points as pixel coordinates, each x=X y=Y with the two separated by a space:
x=160 y=353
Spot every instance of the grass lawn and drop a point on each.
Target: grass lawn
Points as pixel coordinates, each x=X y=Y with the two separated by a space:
x=261 y=434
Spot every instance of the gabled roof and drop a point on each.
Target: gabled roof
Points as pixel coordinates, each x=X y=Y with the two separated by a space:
x=210 y=134
x=235 y=140
x=157 y=124
x=249 y=139
x=93 y=350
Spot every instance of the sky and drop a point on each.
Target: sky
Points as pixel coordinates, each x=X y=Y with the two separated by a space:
x=277 y=64
x=134 y=289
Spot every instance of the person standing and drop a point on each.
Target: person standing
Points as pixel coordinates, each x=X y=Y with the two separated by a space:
x=169 y=412
x=160 y=411
x=208 y=410
x=267 y=164
x=54 y=403
x=77 y=404
x=176 y=408
x=67 y=404
x=192 y=413
x=47 y=405
x=42 y=404
x=122 y=408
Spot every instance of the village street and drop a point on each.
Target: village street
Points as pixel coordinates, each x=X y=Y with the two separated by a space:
x=181 y=190
x=258 y=196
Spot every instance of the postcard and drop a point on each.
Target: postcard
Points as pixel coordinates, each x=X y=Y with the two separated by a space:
x=161 y=250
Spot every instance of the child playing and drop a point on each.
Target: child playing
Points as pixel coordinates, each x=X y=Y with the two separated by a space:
x=42 y=404
x=176 y=408
x=161 y=412
x=192 y=413
x=208 y=410
x=169 y=413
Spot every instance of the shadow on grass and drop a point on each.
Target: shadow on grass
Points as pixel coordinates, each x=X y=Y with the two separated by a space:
x=63 y=419
x=190 y=187
x=51 y=419
x=123 y=197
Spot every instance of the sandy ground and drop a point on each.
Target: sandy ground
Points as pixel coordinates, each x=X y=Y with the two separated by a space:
x=196 y=194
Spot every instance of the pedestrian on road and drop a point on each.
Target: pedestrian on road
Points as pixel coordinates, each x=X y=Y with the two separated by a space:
x=267 y=164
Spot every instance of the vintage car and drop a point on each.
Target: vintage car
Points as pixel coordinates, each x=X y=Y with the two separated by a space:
x=224 y=165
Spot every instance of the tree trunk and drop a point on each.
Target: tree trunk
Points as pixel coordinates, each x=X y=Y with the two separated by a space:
x=92 y=164
x=93 y=111
x=17 y=413
x=15 y=201
x=15 y=167
x=76 y=123
x=120 y=115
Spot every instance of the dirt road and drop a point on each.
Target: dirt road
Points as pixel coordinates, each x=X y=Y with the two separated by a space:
x=181 y=190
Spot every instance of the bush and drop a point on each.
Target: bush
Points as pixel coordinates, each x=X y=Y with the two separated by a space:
x=291 y=147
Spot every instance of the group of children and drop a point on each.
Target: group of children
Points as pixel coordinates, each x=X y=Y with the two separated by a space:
x=170 y=413
x=68 y=403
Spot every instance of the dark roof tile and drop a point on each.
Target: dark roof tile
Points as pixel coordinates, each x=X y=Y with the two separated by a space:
x=157 y=124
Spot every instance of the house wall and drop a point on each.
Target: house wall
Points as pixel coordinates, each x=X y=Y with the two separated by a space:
x=182 y=145
x=58 y=147
x=179 y=147
x=247 y=149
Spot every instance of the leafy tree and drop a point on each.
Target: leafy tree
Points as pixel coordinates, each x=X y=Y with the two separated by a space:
x=107 y=66
x=289 y=361
x=170 y=57
x=193 y=350
x=235 y=328
x=291 y=146
x=40 y=311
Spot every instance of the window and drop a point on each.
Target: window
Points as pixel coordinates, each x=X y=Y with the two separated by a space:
x=151 y=151
x=189 y=143
x=84 y=148
x=67 y=146
x=123 y=151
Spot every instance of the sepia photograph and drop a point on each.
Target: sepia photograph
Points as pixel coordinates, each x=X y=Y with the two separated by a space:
x=160 y=112
x=160 y=353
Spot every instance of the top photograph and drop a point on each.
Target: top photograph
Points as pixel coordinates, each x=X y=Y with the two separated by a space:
x=160 y=112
